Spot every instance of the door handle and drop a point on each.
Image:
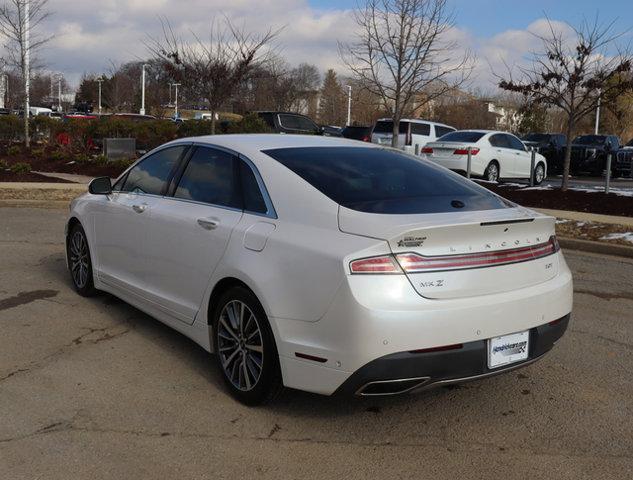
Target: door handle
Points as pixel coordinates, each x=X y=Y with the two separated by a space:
x=208 y=224
x=139 y=208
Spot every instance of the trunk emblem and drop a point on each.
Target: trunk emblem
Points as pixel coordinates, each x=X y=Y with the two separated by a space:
x=411 y=242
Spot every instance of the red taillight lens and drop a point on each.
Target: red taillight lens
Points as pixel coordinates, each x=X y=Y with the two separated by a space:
x=382 y=264
x=414 y=263
x=366 y=138
x=464 y=151
x=427 y=150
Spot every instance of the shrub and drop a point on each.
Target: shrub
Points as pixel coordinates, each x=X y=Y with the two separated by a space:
x=21 y=167
x=250 y=123
x=3 y=164
x=82 y=158
x=57 y=155
x=14 y=150
x=11 y=128
x=38 y=152
x=194 y=128
x=101 y=160
x=124 y=163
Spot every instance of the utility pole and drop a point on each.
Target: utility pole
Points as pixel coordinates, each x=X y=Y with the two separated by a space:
x=26 y=71
x=176 y=85
x=142 y=111
x=349 y=105
x=59 y=93
x=100 y=81
x=597 y=128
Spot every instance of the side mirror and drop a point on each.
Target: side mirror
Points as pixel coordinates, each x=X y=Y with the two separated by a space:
x=100 y=186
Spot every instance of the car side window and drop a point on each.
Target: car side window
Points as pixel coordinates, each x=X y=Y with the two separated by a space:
x=151 y=174
x=515 y=143
x=210 y=177
x=441 y=131
x=297 y=122
x=499 y=140
x=420 y=129
x=251 y=193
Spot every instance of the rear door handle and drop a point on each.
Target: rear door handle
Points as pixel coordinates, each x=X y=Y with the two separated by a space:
x=208 y=224
x=139 y=208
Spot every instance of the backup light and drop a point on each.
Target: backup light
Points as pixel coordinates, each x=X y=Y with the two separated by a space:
x=464 y=151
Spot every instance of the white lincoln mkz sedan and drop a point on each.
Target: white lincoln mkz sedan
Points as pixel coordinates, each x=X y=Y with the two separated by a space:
x=324 y=264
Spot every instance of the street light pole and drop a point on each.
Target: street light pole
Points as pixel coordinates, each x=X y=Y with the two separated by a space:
x=597 y=127
x=142 y=111
x=59 y=93
x=349 y=105
x=100 y=81
x=176 y=85
x=26 y=49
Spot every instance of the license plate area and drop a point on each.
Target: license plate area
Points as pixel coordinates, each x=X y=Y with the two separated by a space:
x=508 y=349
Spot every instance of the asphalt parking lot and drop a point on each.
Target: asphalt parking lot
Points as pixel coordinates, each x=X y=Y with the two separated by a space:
x=92 y=388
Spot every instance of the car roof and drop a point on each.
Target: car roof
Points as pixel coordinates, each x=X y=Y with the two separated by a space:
x=415 y=120
x=257 y=142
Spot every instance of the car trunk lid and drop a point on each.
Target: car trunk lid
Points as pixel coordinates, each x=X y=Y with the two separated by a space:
x=464 y=254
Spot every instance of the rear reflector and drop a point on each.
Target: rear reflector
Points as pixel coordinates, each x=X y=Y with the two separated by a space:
x=305 y=356
x=427 y=150
x=414 y=263
x=464 y=151
x=444 y=348
x=382 y=264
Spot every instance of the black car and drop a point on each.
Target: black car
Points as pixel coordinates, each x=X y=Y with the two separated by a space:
x=551 y=146
x=288 y=122
x=357 y=133
x=624 y=161
x=589 y=153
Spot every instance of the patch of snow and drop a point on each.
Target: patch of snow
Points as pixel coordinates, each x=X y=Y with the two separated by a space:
x=581 y=224
x=626 y=236
x=561 y=220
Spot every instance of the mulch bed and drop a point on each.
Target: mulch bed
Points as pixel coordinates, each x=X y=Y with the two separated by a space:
x=571 y=200
x=47 y=160
x=29 y=177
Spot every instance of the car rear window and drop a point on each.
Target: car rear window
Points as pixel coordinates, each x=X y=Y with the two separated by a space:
x=386 y=126
x=377 y=180
x=466 y=137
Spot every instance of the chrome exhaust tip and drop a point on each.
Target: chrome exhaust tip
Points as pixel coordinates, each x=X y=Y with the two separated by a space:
x=391 y=387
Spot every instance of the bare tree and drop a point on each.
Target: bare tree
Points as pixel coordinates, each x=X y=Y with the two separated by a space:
x=572 y=74
x=212 y=69
x=19 y=22
x=402 y=50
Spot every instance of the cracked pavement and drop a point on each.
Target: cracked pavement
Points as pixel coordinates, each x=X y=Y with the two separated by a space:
x=93 y=388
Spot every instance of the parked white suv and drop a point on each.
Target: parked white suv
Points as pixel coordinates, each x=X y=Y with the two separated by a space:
x=413 y=133
x=494 y=155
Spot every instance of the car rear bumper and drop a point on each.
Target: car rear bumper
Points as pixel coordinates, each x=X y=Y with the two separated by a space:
x=411 y=371
x=374 y=317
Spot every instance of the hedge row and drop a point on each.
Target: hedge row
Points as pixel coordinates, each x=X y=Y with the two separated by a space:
x=83 y=135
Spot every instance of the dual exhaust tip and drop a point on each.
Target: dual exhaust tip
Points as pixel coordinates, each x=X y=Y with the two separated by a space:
x=392 y=387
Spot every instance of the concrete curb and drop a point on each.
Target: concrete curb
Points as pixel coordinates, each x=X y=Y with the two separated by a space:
x=602 y=248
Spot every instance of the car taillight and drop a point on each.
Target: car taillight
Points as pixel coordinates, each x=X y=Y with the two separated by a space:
x=464 y=151
x=427 y=150
x=382 y=264
x=414 y=263
x=366 y=138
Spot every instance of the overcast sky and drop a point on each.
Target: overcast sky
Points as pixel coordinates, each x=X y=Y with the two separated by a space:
x=90 y=34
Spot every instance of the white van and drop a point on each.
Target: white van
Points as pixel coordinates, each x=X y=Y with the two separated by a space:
x=413 y=133
x=40 y=111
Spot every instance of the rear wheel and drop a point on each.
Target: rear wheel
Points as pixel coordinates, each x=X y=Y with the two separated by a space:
x=245 y=348
x=492 y=172
x=79 y=264
x=539 y=174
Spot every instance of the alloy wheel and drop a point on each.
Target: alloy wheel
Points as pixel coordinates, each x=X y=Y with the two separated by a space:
x=79 y=259
x=493 y=172
x=240 y=345
x=539 y=174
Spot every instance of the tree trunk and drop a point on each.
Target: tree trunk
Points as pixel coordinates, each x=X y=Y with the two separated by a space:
x=212 y=122
x=395 y=132
x=567 y=160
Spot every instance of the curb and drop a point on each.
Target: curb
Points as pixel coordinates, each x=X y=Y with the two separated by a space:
x=602 y=248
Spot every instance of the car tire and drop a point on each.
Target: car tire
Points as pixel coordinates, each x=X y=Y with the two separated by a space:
x=492 y=172
x=539 y=174
x=79 y=261
x=245 y=348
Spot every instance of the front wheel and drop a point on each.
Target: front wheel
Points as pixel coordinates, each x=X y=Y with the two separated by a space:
x=245 y=348
x=79 y=263
x=539 y=174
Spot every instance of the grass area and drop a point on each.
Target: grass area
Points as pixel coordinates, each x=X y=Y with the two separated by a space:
x=595 y=231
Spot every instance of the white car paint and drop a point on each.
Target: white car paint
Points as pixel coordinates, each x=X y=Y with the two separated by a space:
x=296 y=260
x=513 y=160
x=414 y=133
